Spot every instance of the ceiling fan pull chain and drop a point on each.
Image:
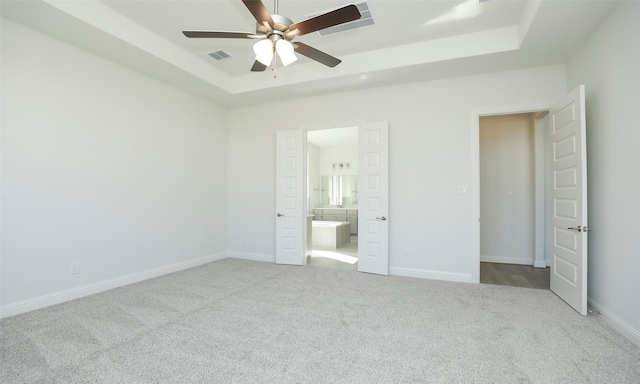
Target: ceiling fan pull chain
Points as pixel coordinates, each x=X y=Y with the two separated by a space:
x=274 y=63
x=273 y=67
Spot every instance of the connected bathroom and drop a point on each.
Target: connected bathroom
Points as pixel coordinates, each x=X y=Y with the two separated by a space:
x=332 y=197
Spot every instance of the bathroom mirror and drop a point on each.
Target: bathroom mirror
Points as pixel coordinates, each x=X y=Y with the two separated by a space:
x=339 y=190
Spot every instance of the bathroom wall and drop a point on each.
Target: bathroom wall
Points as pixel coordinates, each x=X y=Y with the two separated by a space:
x=313 y=176
x=338 y=154
x=346 y=155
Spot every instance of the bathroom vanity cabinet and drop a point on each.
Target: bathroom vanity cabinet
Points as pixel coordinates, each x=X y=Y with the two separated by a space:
x=334 y=215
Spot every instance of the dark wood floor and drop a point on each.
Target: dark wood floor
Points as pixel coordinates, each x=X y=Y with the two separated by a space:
x=514 y=275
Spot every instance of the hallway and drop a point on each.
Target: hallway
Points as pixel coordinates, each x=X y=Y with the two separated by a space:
x=514 y=275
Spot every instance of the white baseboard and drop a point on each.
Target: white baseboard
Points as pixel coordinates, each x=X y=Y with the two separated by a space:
x=90 y=289
x=618 y=324
x=433 y=275
x=252 y=256
x=540 y=264
x=506 y=260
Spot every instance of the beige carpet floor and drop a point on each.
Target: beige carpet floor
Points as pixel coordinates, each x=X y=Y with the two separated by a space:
x=237 y=321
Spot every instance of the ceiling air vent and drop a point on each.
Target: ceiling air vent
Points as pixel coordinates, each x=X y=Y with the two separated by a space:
x=364 y=20
x=219 y=55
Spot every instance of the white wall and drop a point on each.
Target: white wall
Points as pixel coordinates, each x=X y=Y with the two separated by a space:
x=609 y=66
x=339 y=154
x=430 y=156
x=102 y=166
x=507 y=188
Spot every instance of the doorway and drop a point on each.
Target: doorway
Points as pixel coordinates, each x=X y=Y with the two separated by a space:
x=511 y=202
x=515 y=275
x=561 y=222
x=332 y=197
x=292 y=210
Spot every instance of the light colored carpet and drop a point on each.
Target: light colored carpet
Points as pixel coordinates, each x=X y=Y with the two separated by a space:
x=237 y=321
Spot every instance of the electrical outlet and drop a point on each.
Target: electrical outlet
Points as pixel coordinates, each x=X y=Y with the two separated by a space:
x=509 y=244
x=406 y=253
x=75 y=268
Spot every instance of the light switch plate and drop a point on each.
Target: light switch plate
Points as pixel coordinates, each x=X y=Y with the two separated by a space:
x=463 y=190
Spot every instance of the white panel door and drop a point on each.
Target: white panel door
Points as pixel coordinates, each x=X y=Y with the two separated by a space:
x=373 y=187
x=570 y=227
x=289 y=198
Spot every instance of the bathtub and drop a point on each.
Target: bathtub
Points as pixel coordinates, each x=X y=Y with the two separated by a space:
x=330 y=234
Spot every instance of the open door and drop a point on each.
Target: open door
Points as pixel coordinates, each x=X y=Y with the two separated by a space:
x=373 y=186
x=569 y=219
x=289 y=198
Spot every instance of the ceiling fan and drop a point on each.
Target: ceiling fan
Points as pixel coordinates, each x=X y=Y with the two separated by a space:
x=275 y=33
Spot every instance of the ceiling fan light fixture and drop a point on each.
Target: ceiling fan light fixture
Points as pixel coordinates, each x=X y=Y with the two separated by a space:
x=264 y=51
x=277 y=31
x=285 y=52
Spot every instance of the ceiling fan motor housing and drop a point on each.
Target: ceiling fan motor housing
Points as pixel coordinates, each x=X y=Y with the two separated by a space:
x=280 y=26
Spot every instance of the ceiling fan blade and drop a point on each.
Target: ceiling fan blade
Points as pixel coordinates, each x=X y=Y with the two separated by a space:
x=316 y=55
x=258 y=67
x=221 y=35
x=326 y=20
x=259 y=11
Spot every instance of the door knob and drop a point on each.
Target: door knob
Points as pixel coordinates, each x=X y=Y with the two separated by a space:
x=280 y=214
x=581 y=228
x=383 y=218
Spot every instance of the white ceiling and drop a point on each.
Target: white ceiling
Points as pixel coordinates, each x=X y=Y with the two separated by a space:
x=411 y=41
x=334 y=137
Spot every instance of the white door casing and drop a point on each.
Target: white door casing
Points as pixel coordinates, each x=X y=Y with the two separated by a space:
x=538 y=109
x=289 y=198
x=373 y=187
x=569 y=200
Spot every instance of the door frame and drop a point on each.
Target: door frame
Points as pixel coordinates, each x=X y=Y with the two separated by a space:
x=475 y=180
x=305 y=130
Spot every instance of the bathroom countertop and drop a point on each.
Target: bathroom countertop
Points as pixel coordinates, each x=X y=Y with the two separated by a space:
x=343 y=208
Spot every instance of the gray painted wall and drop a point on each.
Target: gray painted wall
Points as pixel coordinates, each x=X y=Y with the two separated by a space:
x=609 y=67
x=102 y=166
